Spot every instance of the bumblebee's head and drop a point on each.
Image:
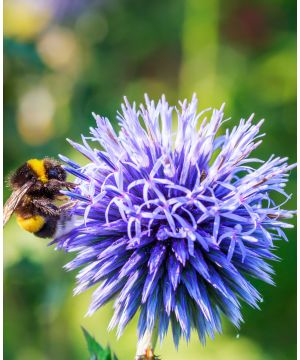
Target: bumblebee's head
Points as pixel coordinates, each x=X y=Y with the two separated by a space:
x=55 y=171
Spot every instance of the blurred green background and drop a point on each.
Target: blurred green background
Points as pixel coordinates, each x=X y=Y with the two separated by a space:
x=64 y=59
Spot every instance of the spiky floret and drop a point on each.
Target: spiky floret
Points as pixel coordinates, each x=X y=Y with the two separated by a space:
x=173 y=219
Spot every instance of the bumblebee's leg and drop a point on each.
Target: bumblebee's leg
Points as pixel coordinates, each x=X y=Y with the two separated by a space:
x=69 y=185
x=45 y=206
x=56 y=185
x=67 y=206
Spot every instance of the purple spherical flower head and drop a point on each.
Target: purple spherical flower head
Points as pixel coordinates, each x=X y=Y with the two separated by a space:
x=172 y=219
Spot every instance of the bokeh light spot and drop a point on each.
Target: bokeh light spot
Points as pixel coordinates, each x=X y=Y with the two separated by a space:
x=58 y=48
x=24 y=19
x=35 y=113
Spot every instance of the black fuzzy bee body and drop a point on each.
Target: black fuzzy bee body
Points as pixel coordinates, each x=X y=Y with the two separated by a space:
x=36 y=186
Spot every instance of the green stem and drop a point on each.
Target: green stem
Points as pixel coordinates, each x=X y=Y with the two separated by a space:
x=200 y=50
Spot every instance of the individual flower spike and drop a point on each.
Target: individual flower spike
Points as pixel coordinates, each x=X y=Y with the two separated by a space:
x=172 y=219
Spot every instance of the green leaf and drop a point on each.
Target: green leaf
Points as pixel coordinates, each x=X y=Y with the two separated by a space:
x=96 y=351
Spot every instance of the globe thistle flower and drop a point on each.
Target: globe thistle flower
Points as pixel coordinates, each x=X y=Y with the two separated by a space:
x=173 y=219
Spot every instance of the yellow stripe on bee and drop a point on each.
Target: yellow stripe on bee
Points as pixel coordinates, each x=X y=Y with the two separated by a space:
x=38 y=166
x=32 y=224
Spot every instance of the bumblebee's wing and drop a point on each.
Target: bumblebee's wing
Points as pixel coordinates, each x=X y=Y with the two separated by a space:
x=13 y=201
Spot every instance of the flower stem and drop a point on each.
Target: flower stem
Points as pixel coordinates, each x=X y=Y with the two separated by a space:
x=146 y=345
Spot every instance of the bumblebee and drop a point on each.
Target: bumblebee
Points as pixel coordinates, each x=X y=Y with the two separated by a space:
x=35 y=187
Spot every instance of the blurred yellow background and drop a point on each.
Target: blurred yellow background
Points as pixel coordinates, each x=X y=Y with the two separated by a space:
x=64 y=59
